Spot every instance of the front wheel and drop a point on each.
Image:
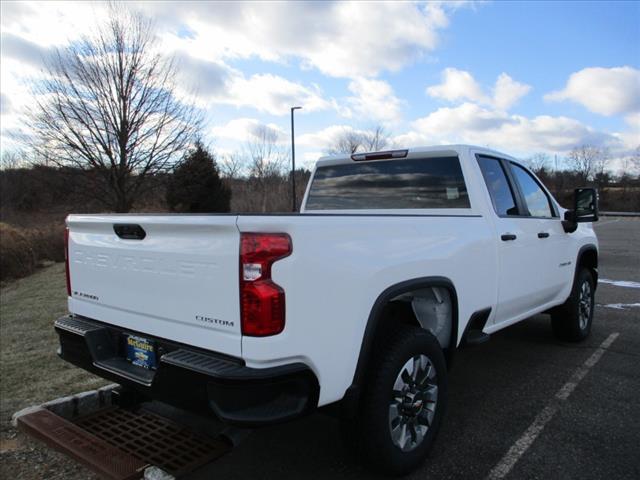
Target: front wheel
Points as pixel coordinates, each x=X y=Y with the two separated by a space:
x=572 y=321
x=403 y=402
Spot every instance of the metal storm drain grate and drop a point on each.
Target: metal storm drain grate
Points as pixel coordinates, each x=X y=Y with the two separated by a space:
x=70 y=439
x=154 y=439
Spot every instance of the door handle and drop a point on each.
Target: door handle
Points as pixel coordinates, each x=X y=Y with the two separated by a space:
x=129 y=231
x=543 y=235
x=505 y=237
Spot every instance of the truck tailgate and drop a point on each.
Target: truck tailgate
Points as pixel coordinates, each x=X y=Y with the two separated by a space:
x=179 y=282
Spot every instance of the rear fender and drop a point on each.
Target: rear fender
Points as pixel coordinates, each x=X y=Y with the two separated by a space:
x=375 y=325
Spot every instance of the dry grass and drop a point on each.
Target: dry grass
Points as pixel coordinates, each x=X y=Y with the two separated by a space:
x=31 y=372
x=30 y=369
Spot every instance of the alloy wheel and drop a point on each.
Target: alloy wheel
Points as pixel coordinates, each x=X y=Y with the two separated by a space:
x=413 y=403
x=585 y=304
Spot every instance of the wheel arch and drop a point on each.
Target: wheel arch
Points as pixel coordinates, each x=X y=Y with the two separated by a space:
x=588 y=257
x=376 y=322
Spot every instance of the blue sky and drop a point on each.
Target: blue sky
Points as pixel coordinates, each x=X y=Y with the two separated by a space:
x=523 y=77
x=542 y=43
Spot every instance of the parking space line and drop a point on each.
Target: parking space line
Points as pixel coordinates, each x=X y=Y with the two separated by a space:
x=619 y=306
x=620 y=283
x=506 y=464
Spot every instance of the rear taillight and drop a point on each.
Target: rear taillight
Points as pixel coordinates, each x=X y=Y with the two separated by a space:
x=66 y=260
x=262 y=302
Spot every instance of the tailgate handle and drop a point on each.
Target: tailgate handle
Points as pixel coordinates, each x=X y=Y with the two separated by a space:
x=129 y=231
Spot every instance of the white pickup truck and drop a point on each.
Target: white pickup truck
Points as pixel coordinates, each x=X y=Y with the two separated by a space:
x=359 y=301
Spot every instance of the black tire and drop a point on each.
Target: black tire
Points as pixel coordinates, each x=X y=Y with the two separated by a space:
x=370 y=430
x=572 y=321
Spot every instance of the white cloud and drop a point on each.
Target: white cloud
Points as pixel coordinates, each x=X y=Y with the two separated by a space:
x=321 y=139
x=217 y=83
x=17 y=47
x=48 y=24
x=309 y=158
x=507 y=92
x=631 y=137
x=203 y=77
x=5 y=104
x=340 y=39
x=607 y=91
x=457 y=85
x=17 y=98
x=633 y=119
x=460 y=85
x=373 y=100
x=273 y=94
x=245 y=129
x=470 y=123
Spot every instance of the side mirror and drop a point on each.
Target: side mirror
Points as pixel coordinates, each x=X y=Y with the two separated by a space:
x=585 y=205
x=585 y=209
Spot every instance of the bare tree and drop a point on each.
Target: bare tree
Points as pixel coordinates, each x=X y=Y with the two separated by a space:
x=634 y=162
x=231 y=166
x=375 y=139
x=11 y=159
x=348 y=141
x=109 y=106
x=587 y=160
x=266 y=162
x=352 y=141
x=601 y=162
x=538 y=162
x=630 y=166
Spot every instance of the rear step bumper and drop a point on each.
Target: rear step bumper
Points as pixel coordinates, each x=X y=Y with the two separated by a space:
x=192 y=379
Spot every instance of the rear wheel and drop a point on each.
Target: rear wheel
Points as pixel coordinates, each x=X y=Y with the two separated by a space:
x=572 y=321
x=403 y=403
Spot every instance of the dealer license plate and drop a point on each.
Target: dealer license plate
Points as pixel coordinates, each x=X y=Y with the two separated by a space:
x=141 y=352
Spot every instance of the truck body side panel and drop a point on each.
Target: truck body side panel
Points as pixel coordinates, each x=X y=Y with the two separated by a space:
x=339 y=266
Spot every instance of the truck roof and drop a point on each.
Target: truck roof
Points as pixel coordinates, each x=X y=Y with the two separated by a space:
x=415 y=151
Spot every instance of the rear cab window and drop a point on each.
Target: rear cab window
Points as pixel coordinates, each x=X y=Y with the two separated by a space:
x=415 y=183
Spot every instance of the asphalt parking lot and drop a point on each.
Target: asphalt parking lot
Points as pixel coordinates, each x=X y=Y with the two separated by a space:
x=522 y=405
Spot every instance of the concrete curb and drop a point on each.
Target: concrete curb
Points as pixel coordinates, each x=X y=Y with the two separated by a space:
x=620 y=214
x=155 y=473
x=73 y=406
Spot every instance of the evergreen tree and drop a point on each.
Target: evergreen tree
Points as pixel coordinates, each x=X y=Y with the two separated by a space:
x=195 y=185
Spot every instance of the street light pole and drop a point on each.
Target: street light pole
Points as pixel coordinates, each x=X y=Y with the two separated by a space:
x=293 y=164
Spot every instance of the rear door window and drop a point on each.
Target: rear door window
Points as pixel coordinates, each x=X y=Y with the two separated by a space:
x=389 y=184
x=502 y=196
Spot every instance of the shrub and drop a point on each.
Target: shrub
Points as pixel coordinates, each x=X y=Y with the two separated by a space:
x=23 y=249
x=17 y=258
x=47 y=242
